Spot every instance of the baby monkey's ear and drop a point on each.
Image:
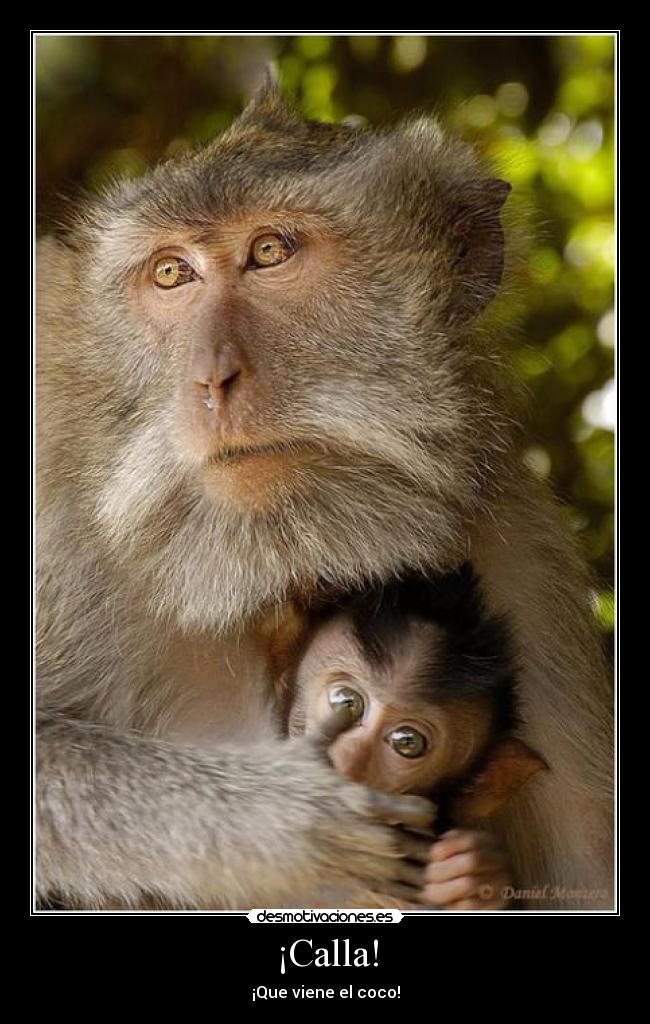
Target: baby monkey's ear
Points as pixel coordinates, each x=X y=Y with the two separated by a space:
x=509 y=766
x=281 y=632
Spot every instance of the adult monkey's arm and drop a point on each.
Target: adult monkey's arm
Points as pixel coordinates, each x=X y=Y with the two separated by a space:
x=122 y=815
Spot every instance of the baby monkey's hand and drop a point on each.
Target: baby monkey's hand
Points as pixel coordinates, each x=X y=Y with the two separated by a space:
x=466 y=870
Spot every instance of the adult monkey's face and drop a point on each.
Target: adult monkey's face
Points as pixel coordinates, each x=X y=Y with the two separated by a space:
x=276 y=362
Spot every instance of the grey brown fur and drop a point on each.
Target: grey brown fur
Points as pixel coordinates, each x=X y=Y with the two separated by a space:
x=150 y=591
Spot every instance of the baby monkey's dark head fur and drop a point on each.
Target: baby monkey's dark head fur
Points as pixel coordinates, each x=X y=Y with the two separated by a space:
x=476 y=660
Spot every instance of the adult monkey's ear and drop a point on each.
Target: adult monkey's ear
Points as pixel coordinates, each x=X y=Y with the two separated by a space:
x=478 y=247
x=509 y=766
x=464 y=218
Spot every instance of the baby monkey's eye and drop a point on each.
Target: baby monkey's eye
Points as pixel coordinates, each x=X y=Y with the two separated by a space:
x=270 y=249
x=172 y=271
x=407 y=741
x=345 y=696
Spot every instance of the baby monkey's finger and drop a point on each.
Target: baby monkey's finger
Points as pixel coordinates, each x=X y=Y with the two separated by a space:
x=461 y=841
x=474 y=862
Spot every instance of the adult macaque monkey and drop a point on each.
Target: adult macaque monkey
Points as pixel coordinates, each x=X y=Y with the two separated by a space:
x=258 y=368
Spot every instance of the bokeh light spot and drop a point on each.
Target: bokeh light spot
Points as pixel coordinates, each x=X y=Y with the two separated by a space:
x=479 y=112
x=607 y=329
x=313 y=47
x=599 y=407
x=511 y=99
x=538 y=461
x=554 y=130
x=408 y=53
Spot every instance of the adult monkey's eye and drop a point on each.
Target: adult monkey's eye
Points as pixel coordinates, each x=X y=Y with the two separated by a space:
x=171 y=271
x=346 y=697
x=407 y=742
x=269 y=250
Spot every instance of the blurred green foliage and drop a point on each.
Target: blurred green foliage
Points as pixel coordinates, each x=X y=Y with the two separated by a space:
x=541 y=108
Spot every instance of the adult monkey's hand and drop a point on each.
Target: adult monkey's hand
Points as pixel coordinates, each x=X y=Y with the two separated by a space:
x=231 y=828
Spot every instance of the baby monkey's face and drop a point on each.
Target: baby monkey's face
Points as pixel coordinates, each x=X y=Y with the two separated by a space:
x=401 y=740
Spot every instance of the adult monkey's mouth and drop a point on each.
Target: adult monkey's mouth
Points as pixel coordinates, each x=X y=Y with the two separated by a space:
x=236 y=453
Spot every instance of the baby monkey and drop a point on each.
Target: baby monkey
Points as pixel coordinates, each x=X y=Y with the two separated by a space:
x=428 y=679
